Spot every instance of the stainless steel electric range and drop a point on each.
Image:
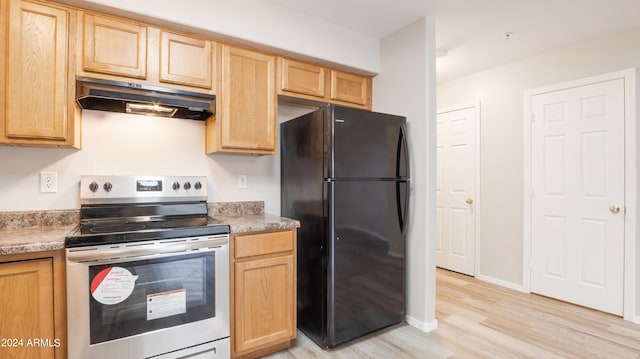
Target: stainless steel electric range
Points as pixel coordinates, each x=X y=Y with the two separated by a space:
x=147 y=271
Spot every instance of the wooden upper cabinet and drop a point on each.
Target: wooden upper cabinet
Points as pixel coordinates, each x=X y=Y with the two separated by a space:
x=301 y=78
x=114 y=47
x=245 y=121
x=38 y=83
x=186 y=60
x=350 y=88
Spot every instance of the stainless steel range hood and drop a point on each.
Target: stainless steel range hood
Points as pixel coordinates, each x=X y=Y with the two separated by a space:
x=125 y=97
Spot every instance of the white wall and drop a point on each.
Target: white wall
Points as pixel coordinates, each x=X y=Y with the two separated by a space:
x=127 y=144
x=259 y=22
x=405 y=86
x=500 y=91
x=119 y=144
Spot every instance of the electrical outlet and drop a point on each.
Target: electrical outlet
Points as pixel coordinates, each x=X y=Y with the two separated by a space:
x=49 y=182
x=243 y=181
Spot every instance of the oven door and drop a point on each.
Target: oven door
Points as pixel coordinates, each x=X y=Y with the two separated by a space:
x=147 y=299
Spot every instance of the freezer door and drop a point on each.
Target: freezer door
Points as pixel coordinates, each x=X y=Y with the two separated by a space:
x=367 y=259
x=367 y=144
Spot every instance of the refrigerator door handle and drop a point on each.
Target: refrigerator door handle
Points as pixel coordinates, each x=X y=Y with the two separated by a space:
x=330 y=295
x=402 y=156
x=402 y=177
x=402 y=205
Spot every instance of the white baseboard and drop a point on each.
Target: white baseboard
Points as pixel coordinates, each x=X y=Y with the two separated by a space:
x=501 y=282
x=425 y=327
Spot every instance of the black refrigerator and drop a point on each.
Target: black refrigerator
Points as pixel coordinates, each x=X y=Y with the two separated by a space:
x=345 y=177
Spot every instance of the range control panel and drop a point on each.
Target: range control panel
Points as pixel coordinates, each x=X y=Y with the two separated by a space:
x=137 y=189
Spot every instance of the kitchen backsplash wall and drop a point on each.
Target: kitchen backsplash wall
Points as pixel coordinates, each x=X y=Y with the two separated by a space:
x=123 y=144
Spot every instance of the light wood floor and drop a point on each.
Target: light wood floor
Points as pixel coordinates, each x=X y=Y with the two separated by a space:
x=481 y=320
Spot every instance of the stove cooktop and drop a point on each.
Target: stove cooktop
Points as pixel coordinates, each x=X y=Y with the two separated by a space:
x=111 y=231
x=118 y=209
x=125 y=225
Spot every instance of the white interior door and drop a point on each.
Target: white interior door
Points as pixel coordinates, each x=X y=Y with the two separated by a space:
x=455 y=190
x=577 y=158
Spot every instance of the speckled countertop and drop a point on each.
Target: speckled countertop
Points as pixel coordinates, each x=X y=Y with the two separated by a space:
x=32 y=239
x=35 y=231
x=257 y=223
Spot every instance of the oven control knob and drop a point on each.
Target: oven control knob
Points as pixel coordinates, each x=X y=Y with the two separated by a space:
x=197 y=185
x=176 y=186
x=187 y=185
x=93 y=187
x=107 y=186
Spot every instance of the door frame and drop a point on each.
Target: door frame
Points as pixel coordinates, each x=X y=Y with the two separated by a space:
x=630 y=193
x=477 y=201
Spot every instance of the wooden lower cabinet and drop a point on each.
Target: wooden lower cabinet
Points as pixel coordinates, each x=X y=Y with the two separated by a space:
x=32 y=306
x=264 y=293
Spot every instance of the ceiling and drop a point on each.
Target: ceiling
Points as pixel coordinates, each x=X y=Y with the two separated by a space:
x=472 y=33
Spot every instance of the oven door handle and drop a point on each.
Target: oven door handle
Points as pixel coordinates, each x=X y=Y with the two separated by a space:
x=152 y=249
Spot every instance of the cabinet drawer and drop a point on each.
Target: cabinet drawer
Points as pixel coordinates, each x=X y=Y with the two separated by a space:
x=263 y=243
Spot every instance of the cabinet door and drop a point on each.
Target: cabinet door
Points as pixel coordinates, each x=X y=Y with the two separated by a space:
x=26 y=308
x=248 y=101
x=114 y=47
x=37 y=85
x=264 y=302
x=185 y=60
x=302 y=78
x=350 y=88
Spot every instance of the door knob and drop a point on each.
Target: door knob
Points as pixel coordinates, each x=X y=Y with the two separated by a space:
x=614 y=209
x=469 y=201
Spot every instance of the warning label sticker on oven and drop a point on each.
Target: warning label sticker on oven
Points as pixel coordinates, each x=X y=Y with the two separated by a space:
x=112 y=285
x=166 y=304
